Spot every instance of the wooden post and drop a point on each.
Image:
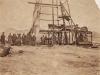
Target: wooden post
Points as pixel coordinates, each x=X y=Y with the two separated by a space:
x=76 y=33
x=53 y=19
x=69 y=36
x=72 y=36
x=48 y=38
x=91 y=37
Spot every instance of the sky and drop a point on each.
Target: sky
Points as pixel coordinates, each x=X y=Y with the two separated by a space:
x=17 y=14
x=98 y=3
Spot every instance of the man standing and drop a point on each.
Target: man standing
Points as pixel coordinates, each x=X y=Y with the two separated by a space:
x=34 y=40
x=3 y=38
x=14 y=38
x=18 y=41
x=24 y=39
x=10 y=39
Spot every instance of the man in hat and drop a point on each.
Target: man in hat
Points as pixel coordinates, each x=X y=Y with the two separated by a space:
x=3 y=38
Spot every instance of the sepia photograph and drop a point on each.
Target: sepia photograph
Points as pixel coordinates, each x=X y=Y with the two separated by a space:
x=49 y=37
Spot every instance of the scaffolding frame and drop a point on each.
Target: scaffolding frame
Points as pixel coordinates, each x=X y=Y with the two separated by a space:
x=66 y=29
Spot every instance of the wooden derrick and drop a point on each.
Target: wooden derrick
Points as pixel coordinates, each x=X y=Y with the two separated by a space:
x=62 y=30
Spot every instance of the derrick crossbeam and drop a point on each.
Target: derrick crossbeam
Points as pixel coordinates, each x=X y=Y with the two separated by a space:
x=47 y=14
x=48 y=20
x=43 y=4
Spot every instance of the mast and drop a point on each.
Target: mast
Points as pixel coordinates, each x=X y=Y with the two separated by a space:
x=57 y=12
x=53 y=21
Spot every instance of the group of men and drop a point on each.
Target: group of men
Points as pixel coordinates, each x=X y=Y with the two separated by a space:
x=54 y=39
x=28 y=39
x=18 y=39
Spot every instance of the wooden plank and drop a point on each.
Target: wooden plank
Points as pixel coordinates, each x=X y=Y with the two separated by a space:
x=43 y=4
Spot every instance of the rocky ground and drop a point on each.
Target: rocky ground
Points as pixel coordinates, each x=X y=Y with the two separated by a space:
x=57 y=60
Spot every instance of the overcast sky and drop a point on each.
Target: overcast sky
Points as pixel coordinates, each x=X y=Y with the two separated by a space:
x=18 y=14
x=98 y=3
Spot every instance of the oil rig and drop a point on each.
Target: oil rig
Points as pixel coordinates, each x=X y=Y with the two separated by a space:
x=61 y=29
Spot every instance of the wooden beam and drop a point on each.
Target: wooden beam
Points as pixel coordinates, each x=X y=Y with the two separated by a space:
x=47 y=14
x=43 y=4
x=47 y=20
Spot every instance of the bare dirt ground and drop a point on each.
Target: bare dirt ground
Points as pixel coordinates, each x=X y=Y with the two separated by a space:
x=57 y=60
